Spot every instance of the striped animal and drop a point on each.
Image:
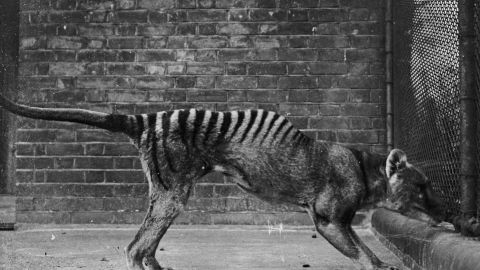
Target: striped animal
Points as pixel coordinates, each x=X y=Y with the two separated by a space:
x=265 y=155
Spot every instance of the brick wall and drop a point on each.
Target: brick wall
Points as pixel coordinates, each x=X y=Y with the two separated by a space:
x=320 y=62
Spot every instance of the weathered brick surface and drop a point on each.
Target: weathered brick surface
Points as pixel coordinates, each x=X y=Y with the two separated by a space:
x=318 y=62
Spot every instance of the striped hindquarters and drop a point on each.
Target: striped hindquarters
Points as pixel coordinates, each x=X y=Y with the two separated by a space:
x=204 y=128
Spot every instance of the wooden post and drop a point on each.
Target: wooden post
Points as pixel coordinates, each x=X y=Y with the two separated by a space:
x=389 y=71
x=467 y=84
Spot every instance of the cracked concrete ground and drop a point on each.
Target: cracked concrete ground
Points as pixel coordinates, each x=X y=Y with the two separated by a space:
x=183 y=248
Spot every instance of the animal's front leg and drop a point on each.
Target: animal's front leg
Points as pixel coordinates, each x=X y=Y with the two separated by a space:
x=339 y=233
x=163 y=209
x=373 y=259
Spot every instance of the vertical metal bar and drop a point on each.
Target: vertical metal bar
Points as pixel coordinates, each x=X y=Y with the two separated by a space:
x=467 y=89
x=389 y=71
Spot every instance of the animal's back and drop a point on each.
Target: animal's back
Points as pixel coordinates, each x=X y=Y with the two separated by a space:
x=204 y=129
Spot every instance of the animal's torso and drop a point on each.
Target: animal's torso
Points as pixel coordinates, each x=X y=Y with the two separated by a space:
x=261 y=151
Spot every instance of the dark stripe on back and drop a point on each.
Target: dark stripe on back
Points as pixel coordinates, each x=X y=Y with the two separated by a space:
x=165 y=133
x=241 y=116
x=182 y=125
x=140 y=127
x=197 y=125
x=227 y=120
x=211 y=124
x=272 y=122
x=297 y=134
x=284 y=122
x=286 y=133
x=260 y=125
x=152 y=138
x=253 y=117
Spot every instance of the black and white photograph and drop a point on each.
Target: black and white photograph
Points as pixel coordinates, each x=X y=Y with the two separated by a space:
x=239 y=134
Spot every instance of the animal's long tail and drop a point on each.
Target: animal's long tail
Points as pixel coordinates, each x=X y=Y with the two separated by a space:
x=111 y=122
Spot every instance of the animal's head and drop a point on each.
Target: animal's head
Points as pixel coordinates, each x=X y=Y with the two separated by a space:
x=411 y=191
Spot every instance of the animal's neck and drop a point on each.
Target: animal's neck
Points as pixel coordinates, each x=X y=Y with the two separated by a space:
x=375 y=177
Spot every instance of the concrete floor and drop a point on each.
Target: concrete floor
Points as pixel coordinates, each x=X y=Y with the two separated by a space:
x=183 y=247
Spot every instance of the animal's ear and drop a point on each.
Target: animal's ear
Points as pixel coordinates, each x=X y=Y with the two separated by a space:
x=397 y=159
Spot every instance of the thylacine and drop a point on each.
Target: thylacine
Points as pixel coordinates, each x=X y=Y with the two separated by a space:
x=266 y=156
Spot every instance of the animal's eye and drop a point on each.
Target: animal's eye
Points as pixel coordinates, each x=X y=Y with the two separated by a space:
x=420 y=196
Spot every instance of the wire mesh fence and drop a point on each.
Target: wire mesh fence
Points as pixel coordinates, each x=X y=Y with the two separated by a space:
x=426 y=92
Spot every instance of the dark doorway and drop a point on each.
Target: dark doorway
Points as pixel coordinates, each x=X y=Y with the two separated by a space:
x=9 y=43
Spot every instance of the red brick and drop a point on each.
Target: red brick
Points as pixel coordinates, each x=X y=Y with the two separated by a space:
x=120 y=150
x=298 y=109
x=361 y=82
x=45 y=135
x=95 y=176
x=360 y=122
x=228 y=191
x=186 y=4
x=68 y=17
x=206 y=3
x=359 y=96
x=269 y=82
x=236 y=69
x=327 y=15
x=74 y=43
x=297 y=82
x=64 y=149
x=125 y=43
x=306 y=96
x=205 y=15
x=154 y=83
x=158 y=16
x=43 y=217
x=297 y=55
x=125 y=176
x=207 y=29
x=358 y=136
x=205 y=68
x=156 y=43
x=157 y=30
x=65 y=176
x=203 y=191
x=95 y=30
x=237 y=29
x=236 y=82
x=329 y=42
x=207 y=96
x=329 y=123
x=154 y=4
x=267 y=69
x=332 y=68
x=205 y=82
x=295 y=28
x=185 y=82
x=267 y=96
x=156 y=55
x=125 y=204
x=363 y=55
x=186 y=29
x=268 y=14
x=96 y=56
x=361 y=109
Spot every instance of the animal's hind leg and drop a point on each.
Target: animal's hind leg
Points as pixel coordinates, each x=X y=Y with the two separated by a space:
x=163 y=209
